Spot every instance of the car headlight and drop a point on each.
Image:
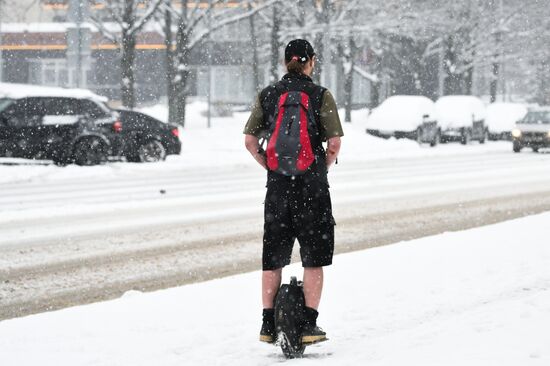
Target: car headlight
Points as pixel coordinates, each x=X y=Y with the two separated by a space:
x=516 y=132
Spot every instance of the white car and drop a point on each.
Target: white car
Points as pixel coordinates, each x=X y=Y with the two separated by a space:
x=461 y=118
x=502 y=117
x=405 y=116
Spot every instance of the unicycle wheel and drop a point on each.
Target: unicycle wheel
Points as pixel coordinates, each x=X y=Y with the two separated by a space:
x=289 y=350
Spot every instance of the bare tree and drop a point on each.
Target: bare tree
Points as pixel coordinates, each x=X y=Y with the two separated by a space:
x=193 y=25
x=129 y=23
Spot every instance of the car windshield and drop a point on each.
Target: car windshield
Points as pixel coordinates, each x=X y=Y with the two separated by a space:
x=537 y=117
x=4 y=103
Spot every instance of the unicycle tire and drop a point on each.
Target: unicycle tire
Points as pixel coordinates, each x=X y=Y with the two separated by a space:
x=289 y=315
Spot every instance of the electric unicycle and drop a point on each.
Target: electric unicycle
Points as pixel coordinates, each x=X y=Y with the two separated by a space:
x=289 y=317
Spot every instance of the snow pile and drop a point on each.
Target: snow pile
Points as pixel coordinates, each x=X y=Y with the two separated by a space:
x=401 y=113
x=16 y=91
x=455 y=111
x=479 y=297
x=502 y=117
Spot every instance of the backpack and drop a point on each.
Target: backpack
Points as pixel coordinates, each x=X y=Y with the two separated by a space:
x=289 y=149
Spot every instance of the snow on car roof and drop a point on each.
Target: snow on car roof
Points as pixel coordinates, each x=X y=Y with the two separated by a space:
x=401 y=113
x=18 y=91
x=501 y=117
x=459 y=110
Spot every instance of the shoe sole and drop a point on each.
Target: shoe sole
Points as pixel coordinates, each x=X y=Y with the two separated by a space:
x=308 y=340
x=266 y=338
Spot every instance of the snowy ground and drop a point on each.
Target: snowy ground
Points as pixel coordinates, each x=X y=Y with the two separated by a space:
x=478 y=297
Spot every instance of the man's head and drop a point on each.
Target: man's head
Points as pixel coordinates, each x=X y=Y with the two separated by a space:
x=299 y=57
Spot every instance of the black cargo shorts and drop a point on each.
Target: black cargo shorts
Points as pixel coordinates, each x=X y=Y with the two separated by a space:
x=297 y=208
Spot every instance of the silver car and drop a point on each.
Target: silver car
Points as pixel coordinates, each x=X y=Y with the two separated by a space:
x=533 y=130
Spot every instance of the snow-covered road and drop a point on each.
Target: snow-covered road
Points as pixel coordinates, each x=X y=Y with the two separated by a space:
x=69 y=238
x=477 y=298
x=81 y=234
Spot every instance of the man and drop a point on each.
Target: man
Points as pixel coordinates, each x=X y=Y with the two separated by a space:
x=297 y=207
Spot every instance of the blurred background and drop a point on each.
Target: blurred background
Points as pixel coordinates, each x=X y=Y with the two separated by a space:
x=140 y=53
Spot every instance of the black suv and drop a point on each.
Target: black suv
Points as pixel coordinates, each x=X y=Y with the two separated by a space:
x=146 y=139
x=61 y=128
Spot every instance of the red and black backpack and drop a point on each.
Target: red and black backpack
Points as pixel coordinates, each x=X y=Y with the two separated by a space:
x=293 y=134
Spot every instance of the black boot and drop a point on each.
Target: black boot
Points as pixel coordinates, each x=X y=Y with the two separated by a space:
x=311 y=333
x=267 y=333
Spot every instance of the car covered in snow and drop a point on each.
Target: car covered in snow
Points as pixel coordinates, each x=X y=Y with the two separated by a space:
x=461 y=118
x=405 y=116
x=63 y=125
x=533 y=130
x=147 y=139
x=502 y=117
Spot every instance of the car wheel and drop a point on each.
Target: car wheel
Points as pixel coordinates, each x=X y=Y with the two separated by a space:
x=436 y=140
x=466 y=137
x=517 y=146
x=90 y=151
x=151 y=151
x=485 y=137
x=419 y=136
x=535 y=149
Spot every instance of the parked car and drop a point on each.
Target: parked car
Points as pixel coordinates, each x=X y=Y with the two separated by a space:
x=146 y=139
x=461 y=118
x=405 y=116
x=64 y=125
x=501 y=119
x=533 y=130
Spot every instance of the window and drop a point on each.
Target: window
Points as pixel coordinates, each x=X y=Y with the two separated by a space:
x=55 y=72
x=23 y=113
x=92 y=108
x=60 y=107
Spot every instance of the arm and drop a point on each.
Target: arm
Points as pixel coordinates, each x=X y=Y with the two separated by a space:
x=252 y=144
x=333 y=148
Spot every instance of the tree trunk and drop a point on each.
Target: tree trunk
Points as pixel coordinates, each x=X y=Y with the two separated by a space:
x=348 y=58
x=127 y=87
x=254 y=45
x=319 y=49
x=469 y=80
x=375 y=94
x=128 y=54
x=181 y=72
x=494 y=81
x=275 y=45
x=170 y=62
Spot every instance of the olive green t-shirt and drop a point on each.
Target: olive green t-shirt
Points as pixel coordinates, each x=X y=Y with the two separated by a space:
x=330 y=121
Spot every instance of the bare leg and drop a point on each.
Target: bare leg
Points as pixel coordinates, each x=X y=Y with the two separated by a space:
x=313 y=286
x=271 y=281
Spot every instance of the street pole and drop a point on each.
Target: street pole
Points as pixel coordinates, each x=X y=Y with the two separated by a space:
x=209 y=50
x=79 y=46
x=441 y=69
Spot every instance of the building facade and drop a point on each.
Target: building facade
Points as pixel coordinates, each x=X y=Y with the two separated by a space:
x=41 y=51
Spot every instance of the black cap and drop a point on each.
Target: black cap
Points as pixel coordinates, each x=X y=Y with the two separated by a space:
x=299 y=48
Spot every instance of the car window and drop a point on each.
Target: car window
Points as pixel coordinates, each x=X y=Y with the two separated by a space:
x=4 y=103
x=60 y=106
x=95 y=110
x=539 y=117
x=24 y=112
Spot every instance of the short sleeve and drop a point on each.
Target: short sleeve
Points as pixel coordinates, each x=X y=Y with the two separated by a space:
x=255 y=124
x=330 y=121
